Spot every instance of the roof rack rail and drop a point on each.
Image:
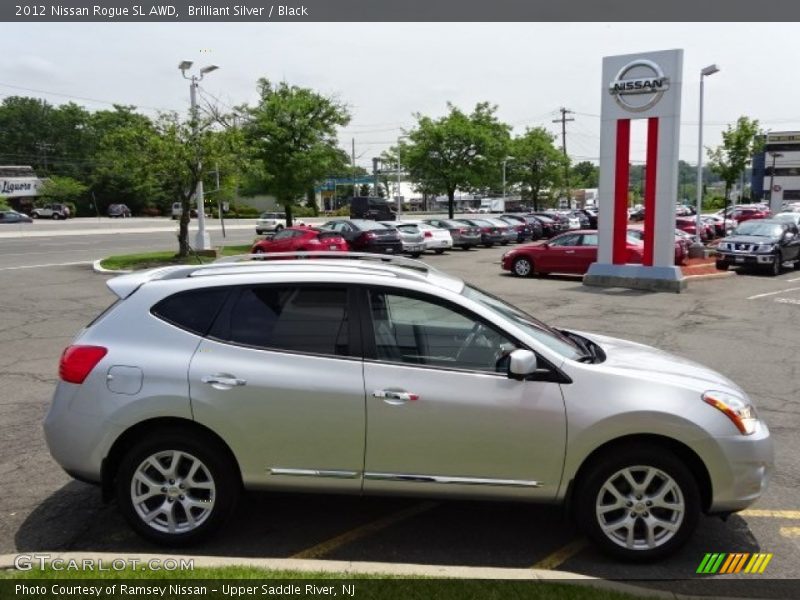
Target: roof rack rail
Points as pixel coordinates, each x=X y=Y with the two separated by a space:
x=399 y=261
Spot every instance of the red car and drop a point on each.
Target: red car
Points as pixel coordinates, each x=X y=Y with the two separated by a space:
x=293 y=239
x=571 y=252
x=681 y=245
x=689 y=225
x=742 y=214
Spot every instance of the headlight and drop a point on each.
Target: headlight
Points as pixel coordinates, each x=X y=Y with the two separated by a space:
x=739 y=411
x=766 y=248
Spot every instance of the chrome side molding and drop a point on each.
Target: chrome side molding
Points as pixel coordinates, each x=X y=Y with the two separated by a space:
x=315 y=473
x=452 y=480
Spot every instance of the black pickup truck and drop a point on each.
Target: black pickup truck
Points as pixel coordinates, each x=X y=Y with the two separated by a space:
x=760 y=243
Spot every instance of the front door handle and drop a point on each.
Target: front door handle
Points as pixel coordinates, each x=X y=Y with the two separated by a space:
x=395 y=397
x=224 y=381
x=569 y=251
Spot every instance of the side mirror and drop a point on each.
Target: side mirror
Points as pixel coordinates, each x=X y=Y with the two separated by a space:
x=521 y=364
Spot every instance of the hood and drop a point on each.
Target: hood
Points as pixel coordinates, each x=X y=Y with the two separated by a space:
x=646 y=362
x=750 y=239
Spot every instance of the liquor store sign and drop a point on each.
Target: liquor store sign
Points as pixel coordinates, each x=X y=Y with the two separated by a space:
x=19 y=186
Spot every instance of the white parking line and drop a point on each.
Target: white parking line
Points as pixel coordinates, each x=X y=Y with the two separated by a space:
x=773 y=293
x=66 y=264
x=787 y=300
x=793 y=280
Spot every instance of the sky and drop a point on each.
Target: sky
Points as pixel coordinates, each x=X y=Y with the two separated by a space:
x=386 y=72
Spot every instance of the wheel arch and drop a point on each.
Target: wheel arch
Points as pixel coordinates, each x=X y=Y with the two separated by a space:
x=133 y=434
x=688 y=456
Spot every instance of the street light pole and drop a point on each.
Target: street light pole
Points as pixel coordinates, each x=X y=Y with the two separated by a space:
x=697 y=250
x=202 y=240
x=505 y=160
x=399 y=193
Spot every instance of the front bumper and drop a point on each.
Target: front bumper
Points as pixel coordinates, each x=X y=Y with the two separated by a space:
x=738 y=258
x=740 y=468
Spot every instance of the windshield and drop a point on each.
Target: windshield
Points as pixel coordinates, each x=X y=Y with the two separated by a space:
x=545 y=334
x=761 y=229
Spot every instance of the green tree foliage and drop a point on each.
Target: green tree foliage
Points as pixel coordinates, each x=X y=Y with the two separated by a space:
x=730 y=159
x=61 y=189
x=585 y=175
x=537 y=165
x=457 y=151
x=291 y=139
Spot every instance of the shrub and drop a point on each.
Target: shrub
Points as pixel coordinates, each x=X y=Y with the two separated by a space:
x=151 y=211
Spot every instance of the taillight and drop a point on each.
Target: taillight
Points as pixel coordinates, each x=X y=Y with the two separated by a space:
x=486 y=229
x=428 y=234
x=78 y=361
x=460 y=231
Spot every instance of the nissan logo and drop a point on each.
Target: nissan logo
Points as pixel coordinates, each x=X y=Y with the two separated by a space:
x=639 y=85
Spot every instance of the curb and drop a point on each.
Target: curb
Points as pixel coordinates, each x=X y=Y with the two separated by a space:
x=97 y=268
x=710 y=276
x=367 y=568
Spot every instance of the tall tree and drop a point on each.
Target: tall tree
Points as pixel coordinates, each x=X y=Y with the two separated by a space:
x=291 y=136
x=585 y=175
x=537 y=165
x=730 y=159
x=457 y=151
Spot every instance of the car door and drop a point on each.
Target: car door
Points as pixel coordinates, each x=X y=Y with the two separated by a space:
x=586 y=252
x=561 y=254
x=279 y=377
x=442 y=415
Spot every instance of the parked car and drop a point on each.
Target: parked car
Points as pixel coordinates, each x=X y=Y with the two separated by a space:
x=548 y=225
x=374 y=208
x=12 y=216
x=301 y=239
x=636 y=215
x=681 y=243
x=436 y=239
x=51 y=211
x=410 y=236
x=590 y=214
x=763 y=243
x=272 y=222
x=177 y=211
x=788 y=217
x=116 y=211
x=190 y=389
x=535 y=226
x=570 y=252
x=464 y=236
x=564 y=219
x=490 y=234
x=689 y=225
x=364 y=235
x=721 y=226
x=518 y=224
x=508 y=234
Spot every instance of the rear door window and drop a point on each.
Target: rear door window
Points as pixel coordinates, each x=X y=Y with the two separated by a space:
x=194 y=310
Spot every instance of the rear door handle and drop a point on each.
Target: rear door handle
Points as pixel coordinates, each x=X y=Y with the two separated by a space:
x=395 y=397
x=223 y=380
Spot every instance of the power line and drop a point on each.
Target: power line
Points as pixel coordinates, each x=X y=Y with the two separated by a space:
x=84 y=98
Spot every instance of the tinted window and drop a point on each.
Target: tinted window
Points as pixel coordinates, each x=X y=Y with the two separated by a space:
x=370 y=225
x=567 y=240
x=300 y=319
x=415 y=331
x=589 y=239
x=194 y=310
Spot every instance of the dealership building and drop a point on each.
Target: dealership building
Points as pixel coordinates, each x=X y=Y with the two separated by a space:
x=776 y=170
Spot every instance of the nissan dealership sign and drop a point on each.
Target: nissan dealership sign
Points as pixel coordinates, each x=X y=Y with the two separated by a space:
x=639 y=85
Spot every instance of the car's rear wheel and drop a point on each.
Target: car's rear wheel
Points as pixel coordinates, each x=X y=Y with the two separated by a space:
x=797 y=264
x=439 y=250
x=176 y=488
x=467 y=247
x=522 y=267
x=55 y=217
x=638 y=504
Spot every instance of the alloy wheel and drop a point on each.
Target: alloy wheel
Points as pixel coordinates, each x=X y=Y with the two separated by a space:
x=173 y=492
x=640 y=508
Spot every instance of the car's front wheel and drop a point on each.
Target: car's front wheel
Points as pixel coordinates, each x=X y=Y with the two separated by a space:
x=175 y=488
x=439 y=250
x=638 y=504
x=722 y=265
x=777 y=265
x=522 y=267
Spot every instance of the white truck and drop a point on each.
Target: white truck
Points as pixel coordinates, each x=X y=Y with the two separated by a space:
x=493 y=205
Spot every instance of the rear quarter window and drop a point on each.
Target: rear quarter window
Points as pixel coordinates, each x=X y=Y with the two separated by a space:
x=193 y=310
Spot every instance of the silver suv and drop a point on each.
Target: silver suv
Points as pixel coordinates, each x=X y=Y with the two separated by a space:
x=376 y=375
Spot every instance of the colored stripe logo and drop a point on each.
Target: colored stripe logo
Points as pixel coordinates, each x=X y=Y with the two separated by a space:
x=723 y=563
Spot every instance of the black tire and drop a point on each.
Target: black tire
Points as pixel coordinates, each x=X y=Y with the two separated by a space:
x=439 y=250
x=722 y=266
x=522 y=267
x=55 y=217
x=466 y=248
x=415 y=254
x=797 y=264
x=278 y=228
x=221 y=470
x=776 y=268
x=637 y=457
x=34 y=215
x=488 y=245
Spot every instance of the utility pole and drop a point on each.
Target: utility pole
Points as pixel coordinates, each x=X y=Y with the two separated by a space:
x=563 y=120
x=353 y=159
x=375 y=160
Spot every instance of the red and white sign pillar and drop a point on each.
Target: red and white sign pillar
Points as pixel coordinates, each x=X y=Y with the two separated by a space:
x=639 y=86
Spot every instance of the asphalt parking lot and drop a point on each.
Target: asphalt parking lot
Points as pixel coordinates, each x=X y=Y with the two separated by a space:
x=744 y=326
